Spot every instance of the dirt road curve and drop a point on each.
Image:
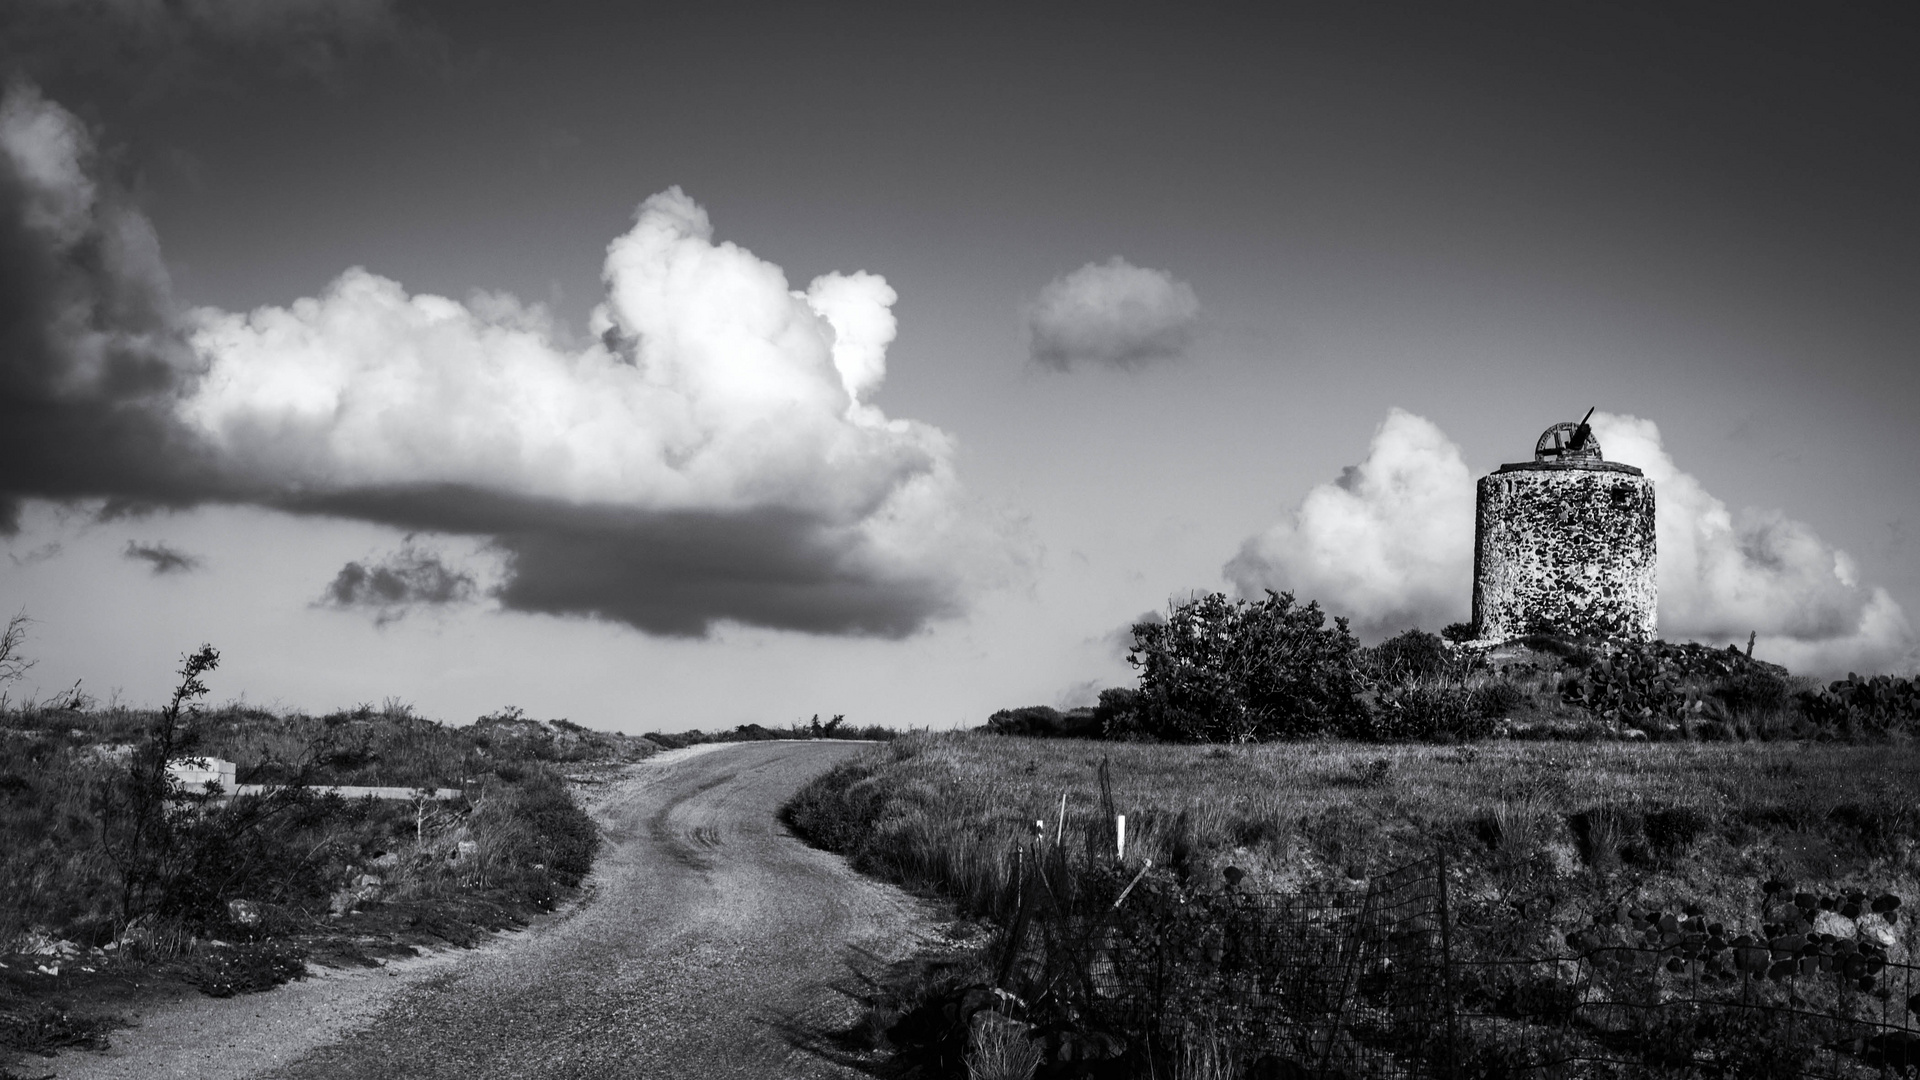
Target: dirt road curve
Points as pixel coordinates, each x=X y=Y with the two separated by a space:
x=707 y=926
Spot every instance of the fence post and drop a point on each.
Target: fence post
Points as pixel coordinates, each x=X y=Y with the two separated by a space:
x=1446 y=966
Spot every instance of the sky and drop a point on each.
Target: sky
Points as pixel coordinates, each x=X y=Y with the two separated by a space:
x=671 y=366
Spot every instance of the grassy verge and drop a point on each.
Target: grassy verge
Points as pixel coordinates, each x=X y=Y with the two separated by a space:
x=1559 y=831
x=117 y=884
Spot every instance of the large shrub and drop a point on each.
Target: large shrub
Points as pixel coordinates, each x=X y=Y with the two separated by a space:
x=1220 y=670
x=1411 y=655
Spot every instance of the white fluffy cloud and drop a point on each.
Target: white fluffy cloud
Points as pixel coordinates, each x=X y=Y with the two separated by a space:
x=714 y=390
x=1113 y=314
x=711 y=456
x=1390 y=544
x=1726 y=574
x=727 y=389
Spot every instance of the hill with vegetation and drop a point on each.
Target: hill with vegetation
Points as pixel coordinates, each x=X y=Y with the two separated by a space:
x=1226 y=671
x=1665 y=823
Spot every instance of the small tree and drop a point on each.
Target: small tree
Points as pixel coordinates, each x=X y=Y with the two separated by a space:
x=12 y=664
x=138 y=832
x=1220 y=670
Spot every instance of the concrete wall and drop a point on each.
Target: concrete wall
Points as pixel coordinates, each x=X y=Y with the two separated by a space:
x=349 y=791
x=1567 y=548
x=195 y=773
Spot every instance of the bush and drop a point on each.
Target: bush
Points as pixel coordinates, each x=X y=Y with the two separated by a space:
x=1224 y=671
x=1117 y=711
x=1496 y=699
x=1413 y=654
x=1880 y=705
x=564 y=836
x=1662 y=687
x=98 y=844
x=1421 y=708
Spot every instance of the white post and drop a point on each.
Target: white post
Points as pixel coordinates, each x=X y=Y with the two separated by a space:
x=1120 y=836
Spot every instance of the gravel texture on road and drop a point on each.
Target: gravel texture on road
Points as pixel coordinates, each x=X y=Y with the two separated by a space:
x=707 y=932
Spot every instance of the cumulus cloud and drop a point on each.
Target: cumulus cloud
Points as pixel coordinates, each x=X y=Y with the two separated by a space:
x=397 y=583
x=90 y=343
x=1725 y=574
x=162 y=558
x=711 y=456
x=1112 y=314
x=1390 y=544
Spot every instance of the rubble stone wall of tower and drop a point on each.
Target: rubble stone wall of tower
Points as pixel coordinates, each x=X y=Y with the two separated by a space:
x=1567 y=550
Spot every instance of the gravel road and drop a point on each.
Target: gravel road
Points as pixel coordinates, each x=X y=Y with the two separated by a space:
x=705 y=930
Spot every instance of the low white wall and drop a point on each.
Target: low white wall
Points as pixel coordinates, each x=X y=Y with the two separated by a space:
x=195 y=773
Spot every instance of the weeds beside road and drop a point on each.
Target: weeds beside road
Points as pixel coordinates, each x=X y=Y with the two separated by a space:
x=1545 y=840
x=117 y=881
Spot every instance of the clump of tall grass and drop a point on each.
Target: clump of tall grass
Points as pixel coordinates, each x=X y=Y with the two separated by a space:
x=1000 y=1048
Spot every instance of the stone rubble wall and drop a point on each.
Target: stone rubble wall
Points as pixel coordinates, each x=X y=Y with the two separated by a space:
x=1566 y=550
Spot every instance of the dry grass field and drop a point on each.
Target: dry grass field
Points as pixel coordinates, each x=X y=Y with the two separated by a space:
x=1547 y=848
x=946 y=812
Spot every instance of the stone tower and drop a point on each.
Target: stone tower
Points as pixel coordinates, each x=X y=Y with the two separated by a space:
x=1564 y=544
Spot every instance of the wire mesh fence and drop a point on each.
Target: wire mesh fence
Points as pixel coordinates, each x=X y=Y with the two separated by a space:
x=1391 y=982
x=1330 y=982
x=1668 y=994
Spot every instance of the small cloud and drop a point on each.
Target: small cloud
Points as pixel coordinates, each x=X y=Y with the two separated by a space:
x=162 y=559
x=37 y=555
x=397 y=583
x=1112 y=314
x=1081 y=695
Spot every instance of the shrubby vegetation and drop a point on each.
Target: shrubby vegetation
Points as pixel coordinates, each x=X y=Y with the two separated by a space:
x=1217 y=670
x=114 y=874
x=836 y=728
x=1227 y=671
x=1664 y=869
x=102 y=846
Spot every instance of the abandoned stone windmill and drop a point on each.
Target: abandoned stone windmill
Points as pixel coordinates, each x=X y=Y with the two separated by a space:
x=1564 y=544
